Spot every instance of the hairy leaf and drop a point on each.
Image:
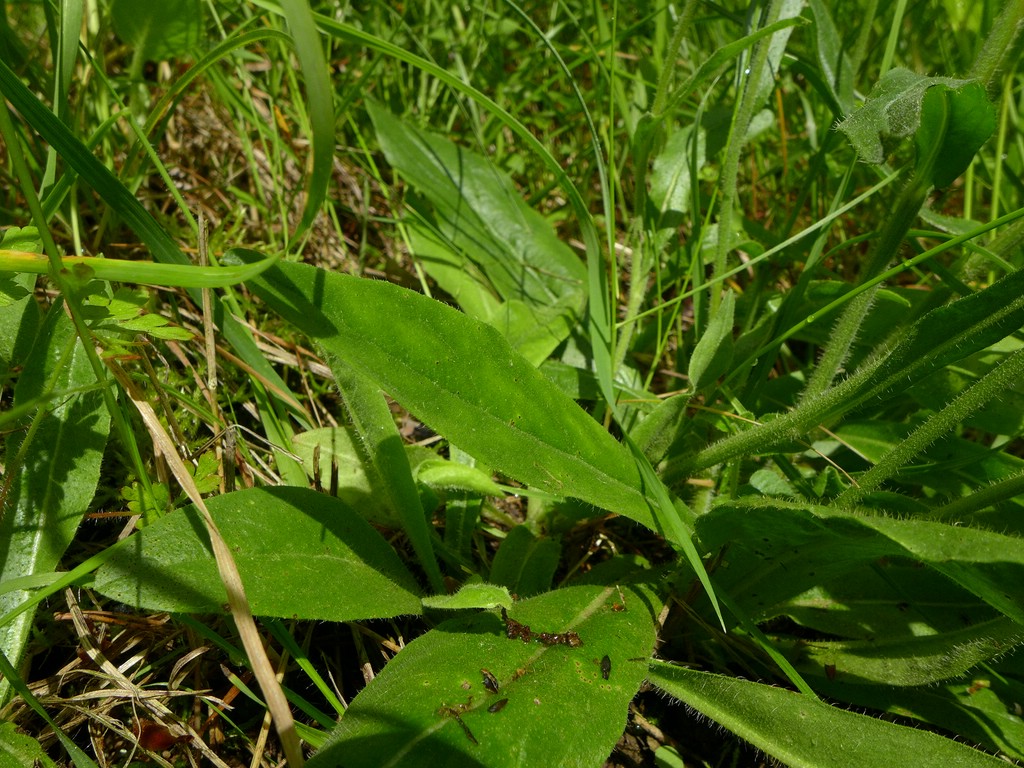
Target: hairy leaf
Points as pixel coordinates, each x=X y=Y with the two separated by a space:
x=804 y=733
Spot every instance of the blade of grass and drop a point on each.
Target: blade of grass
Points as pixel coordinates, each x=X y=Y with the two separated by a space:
x=78 y=757
x=146 y=272
x=310 y=52
x=116 y=195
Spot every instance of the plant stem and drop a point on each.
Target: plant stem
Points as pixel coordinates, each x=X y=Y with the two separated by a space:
x=750 y=93
x=908 y=206
x=989 y=386
x=1001 y=48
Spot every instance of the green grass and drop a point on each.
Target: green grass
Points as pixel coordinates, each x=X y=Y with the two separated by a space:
x=649 y=351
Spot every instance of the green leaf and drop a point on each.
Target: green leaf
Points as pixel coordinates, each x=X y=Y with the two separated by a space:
x=907 y=661
x=525 y=563
x=960 y=126
x=660 y=427
x=713 y=353
x=17 y=289
x=300 y=554
x=560 y=711
x=181 y=275
x=309 y=49
x=472 y=595
x=21 y=239
x=462 y=378
x=493 y=238
x=836 y=67
x=18 y=750
x=799 y=731
x=444 y=475
x=981 y=708
x=53 y=463
x=337 y=446
x=893 y=111
x=671 y=185
x=385 y=460
x=158 y=31
x=778 y=550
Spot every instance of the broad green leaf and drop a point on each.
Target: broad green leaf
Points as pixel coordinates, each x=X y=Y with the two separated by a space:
x=908 y=661
x=19 y=320
x=801 y=732
x=494 y=237
x=19 y=311
x=158 y=31
x=462 y=378
x=337 y=446
x=18 y=750
x=300 y=554
x=671 y=185
x=777 y=550
x=533 y=329
x=54 y=462
x=960 y=126
x=862 y=604
x=893 y=111
x=560 y=711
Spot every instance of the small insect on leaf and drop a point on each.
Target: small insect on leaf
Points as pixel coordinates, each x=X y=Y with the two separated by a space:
x=497 y=706
x=490 y=681
x=515 y=629
x=606 y=666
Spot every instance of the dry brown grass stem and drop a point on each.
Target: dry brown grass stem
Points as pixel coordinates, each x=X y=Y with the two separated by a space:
x=277 y=704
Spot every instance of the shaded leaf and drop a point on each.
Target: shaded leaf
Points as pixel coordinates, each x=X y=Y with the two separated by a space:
x=980 y=708
x=908 y=661
x=778 y=550
x=800 y=731
x=836 y=68
x=525 y=563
